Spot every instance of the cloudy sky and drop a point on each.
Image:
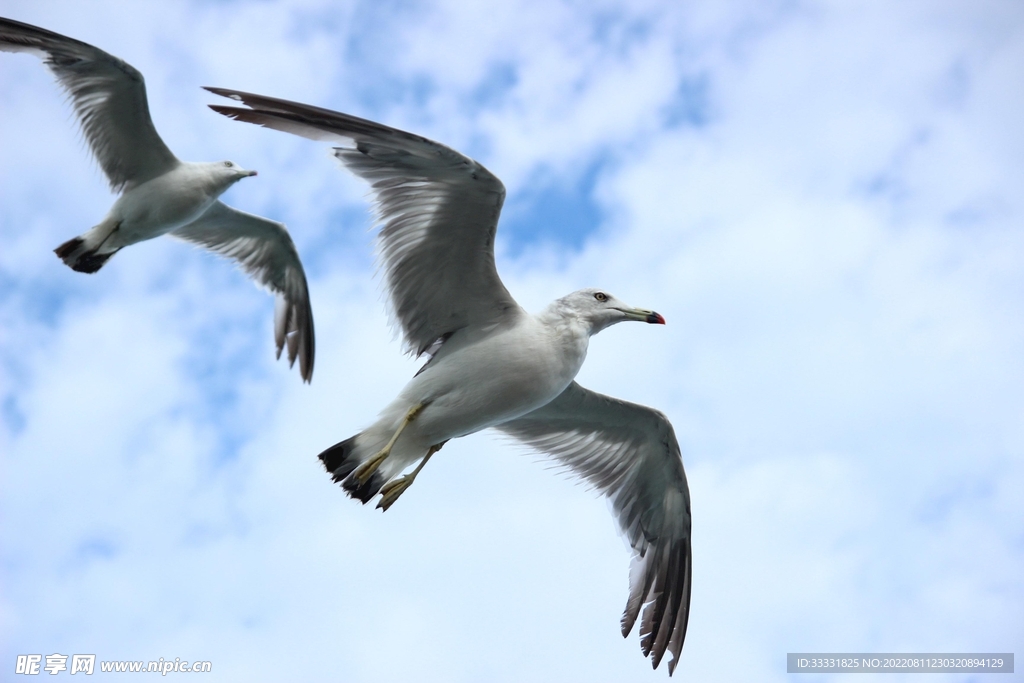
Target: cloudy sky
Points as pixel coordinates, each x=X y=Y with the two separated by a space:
x=824 y=199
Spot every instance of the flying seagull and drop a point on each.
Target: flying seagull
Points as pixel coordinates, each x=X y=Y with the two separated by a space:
x=161 y=194
x=492 y=364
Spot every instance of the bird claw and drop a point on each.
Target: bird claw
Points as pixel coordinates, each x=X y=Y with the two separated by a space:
x=392 y=490
x=366 y=470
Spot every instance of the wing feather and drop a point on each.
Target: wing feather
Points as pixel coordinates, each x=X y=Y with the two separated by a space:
x=629 y=452
x=109 y=98
x=438 y=211
x=265 y=251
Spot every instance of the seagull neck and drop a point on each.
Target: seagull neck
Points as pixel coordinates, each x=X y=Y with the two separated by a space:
x=567 y=323
x=566 y=340
x=568 y=320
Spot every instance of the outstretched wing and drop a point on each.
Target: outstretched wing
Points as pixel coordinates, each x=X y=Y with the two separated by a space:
x=264 y=250
x=438 y=212
x=109 y=97
x=630 y=453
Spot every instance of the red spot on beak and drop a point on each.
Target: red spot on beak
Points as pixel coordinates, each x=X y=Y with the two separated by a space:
x=655 y=319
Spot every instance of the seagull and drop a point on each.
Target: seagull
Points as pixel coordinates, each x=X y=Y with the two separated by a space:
x=492 y=364
x=161 y=194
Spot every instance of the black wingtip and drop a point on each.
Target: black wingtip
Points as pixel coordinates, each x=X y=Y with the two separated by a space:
x=307 y=352
x=224 y=92
x=230 y=112
x=305 y=355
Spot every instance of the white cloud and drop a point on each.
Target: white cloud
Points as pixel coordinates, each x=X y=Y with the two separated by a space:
x=837 y=252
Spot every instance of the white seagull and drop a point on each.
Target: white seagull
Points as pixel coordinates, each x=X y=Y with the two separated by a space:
x=492 y=364
x=160 y=193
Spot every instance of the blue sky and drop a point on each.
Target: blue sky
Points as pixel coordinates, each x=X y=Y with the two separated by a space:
x=823 y=199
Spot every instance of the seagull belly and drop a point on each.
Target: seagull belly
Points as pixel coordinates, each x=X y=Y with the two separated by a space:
x=493 y=381
x=160 y=205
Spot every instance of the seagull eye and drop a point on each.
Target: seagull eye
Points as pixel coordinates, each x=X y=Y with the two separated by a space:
x=601 y=296
x=228 y=164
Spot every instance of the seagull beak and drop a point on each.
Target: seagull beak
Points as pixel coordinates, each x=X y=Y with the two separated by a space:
x=643 y=315
x=250 y=174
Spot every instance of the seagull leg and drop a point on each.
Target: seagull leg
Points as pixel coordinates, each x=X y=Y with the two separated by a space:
x=393 y=489
x=366 y=470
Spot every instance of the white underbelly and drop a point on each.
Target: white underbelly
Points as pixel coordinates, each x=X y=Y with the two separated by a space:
x=488 y=384
x=156 y=208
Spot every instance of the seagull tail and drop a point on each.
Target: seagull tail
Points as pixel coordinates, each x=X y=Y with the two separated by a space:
x=341 y=460
x=83 y=254
x=75 y=255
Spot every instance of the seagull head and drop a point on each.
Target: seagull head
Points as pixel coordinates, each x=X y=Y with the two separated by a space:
x=227 y=173
x=599 y=310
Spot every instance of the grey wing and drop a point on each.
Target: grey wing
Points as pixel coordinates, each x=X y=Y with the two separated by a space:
x=265 y=251
x=438 y=212
x=630 y=453
x=109 y=97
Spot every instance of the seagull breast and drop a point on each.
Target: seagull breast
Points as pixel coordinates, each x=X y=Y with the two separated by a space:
x=474 y=384
x=166 y=202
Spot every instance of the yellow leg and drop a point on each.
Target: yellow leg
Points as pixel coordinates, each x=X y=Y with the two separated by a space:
x=366 y=470
x=393 y=489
